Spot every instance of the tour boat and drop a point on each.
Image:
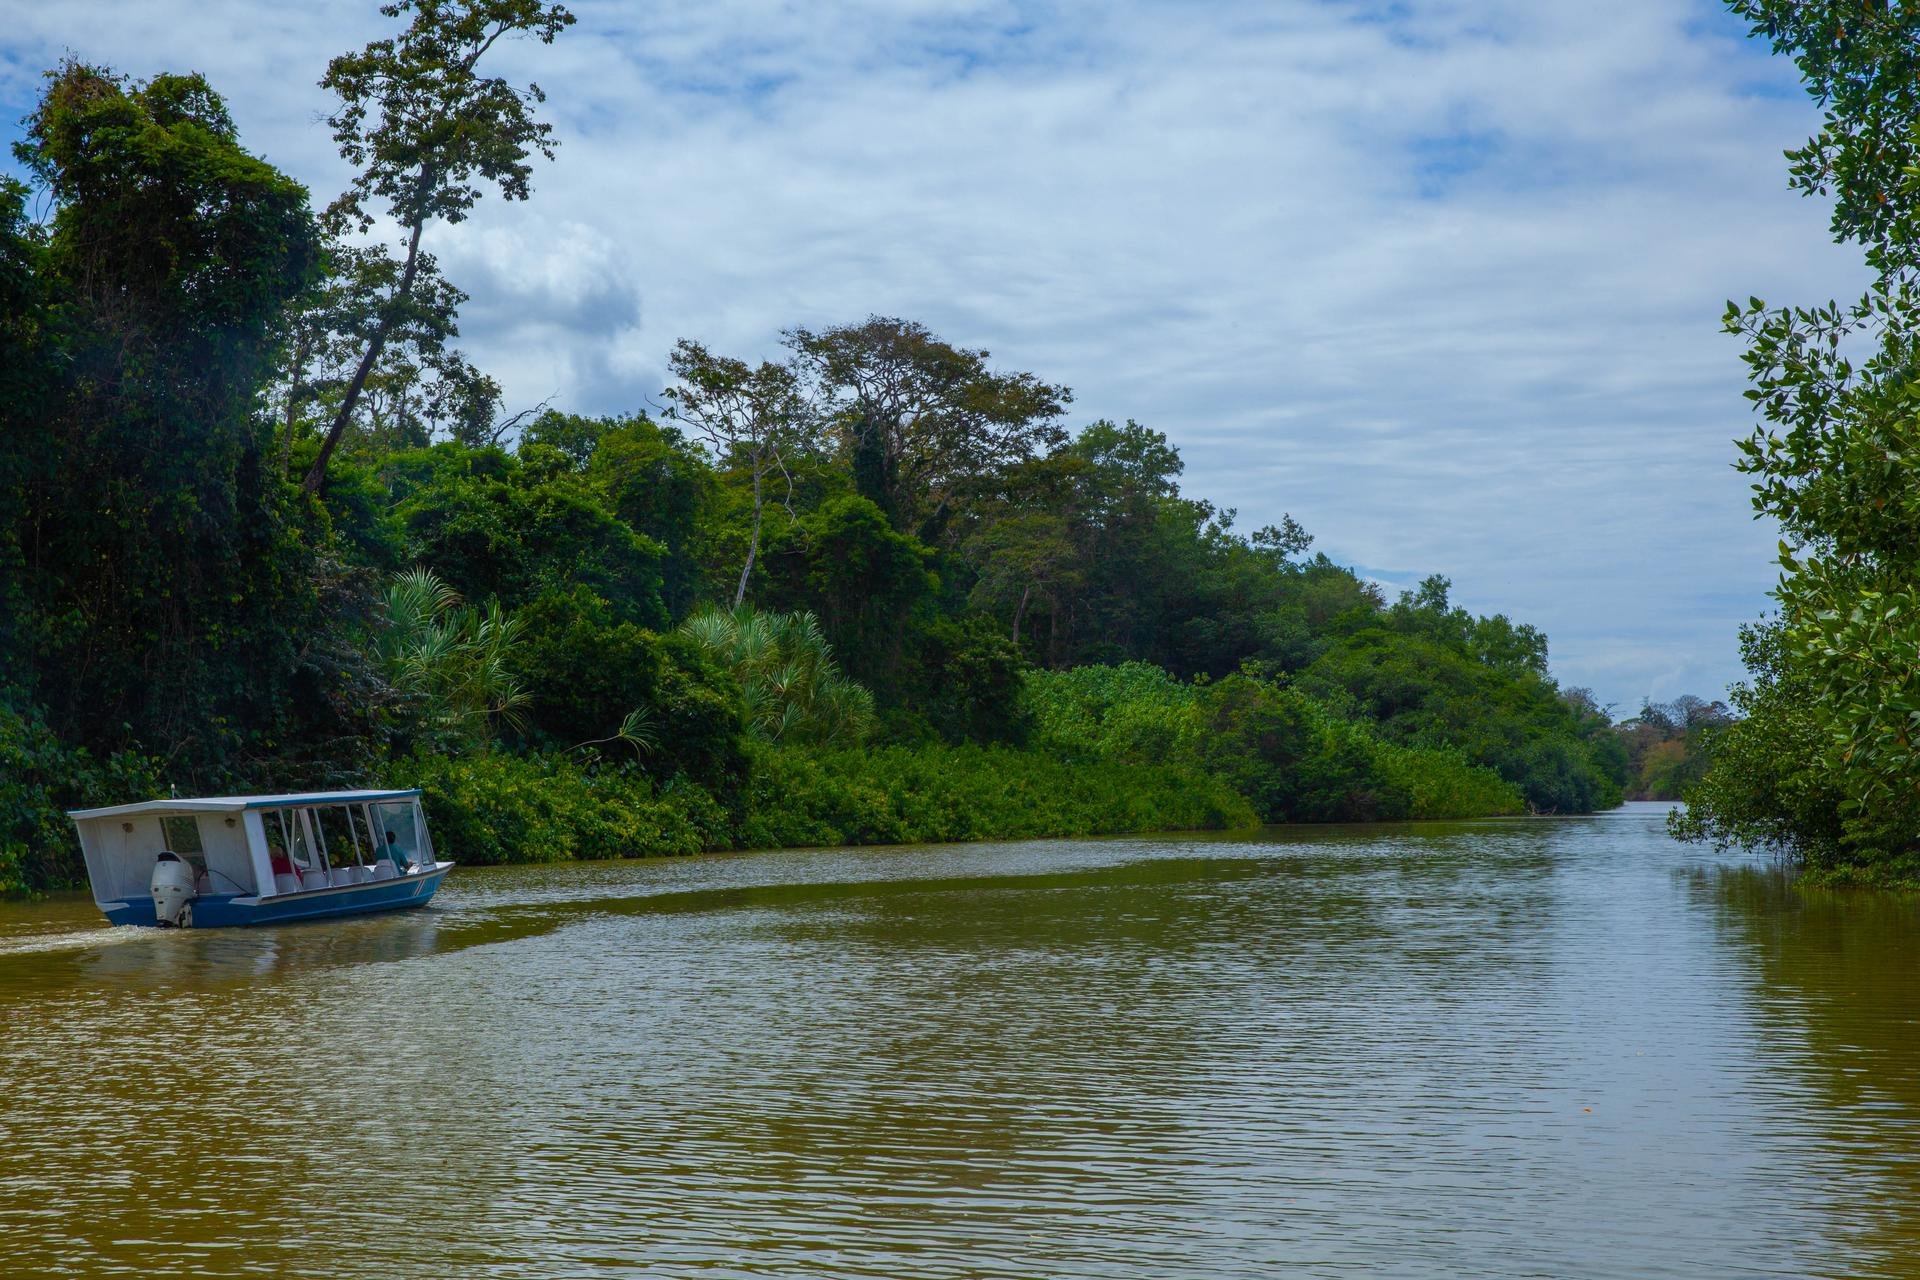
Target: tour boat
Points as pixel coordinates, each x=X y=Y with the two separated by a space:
x=240 y=860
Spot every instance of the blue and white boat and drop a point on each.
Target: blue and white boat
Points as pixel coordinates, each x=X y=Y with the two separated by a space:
x=238 y=860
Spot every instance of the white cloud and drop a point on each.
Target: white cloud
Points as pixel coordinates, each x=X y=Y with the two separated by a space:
x=1440 y=278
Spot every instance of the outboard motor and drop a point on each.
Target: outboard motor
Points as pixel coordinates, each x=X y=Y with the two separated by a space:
x=173 y=891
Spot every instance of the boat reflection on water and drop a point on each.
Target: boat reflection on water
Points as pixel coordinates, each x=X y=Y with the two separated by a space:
x=210 y=957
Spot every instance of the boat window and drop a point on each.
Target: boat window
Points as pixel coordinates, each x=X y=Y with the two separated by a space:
x=183 y=834
x=426 y=838
x=336 y=835
x=298 y=843
x=275 y=825
x=399 y=834
x=366 y=830
x=180 y=833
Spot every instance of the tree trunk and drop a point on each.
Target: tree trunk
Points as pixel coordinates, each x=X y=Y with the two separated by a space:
x=1021 y=611
x=293 y=398
x=317 y=474
x=753 y=543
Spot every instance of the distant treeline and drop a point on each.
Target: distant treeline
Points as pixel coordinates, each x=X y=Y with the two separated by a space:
x=263 y=526
x=1667 y=745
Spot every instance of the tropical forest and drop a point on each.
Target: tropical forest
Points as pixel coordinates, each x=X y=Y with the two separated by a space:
x=264 y=526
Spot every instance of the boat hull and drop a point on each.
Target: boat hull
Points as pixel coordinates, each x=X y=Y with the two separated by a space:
x=226 y=911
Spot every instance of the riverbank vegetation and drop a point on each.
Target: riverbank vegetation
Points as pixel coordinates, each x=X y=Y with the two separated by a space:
x=1823 y=760
x=263 y=526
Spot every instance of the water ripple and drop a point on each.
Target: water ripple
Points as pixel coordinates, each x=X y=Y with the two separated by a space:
x=1553 y=1048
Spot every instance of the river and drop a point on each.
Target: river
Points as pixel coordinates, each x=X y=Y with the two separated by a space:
x=1548 y=1047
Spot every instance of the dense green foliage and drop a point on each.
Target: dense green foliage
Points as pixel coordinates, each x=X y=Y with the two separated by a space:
x=38 y=777
x=1292 y=758
x=263 y=527
x=543 y=808
x=1823 y=761
x=1764 y=786
x=904 y=793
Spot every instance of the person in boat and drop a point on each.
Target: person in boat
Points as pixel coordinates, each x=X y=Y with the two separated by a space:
x=400 y=859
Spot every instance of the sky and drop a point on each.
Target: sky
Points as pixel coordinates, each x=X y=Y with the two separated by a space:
x=1440 y=278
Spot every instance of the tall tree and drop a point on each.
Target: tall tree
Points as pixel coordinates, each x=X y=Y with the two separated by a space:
x=752 y=417
x=925 y=423
x=1020 y=556
x=426 y=129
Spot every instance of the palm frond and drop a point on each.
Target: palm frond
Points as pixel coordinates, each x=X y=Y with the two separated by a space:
x=791 y=688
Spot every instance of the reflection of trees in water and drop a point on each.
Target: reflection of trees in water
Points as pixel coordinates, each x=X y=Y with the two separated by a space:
x=1838 y=977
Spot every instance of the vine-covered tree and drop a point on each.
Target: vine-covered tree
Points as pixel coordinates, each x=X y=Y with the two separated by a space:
x=155 y=552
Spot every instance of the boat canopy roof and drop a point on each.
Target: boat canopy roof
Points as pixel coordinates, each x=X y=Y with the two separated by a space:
x=235 y=804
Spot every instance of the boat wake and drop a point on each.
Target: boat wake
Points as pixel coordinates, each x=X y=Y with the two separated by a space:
x=73 y=940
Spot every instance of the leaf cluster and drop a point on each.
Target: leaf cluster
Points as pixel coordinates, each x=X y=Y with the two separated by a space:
x=423 y=127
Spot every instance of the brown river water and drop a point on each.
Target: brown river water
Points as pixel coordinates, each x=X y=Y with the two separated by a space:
x=1551 y=1047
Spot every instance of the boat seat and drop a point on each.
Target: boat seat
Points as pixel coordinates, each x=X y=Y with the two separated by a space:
x=384 y=870
x=286 y=882
x=316 y=879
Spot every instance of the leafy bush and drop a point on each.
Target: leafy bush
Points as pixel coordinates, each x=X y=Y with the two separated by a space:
x=547 y=808
x=846 y=564
x=40 y=779
x=1133 y=711
x=583 y=670
x=1293 y=761
x=967 y=682
x=493 y=527
x=509 y=808
x=1439 y=782
x=896 y=795
x=1419 y=688
x=1285 y=752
